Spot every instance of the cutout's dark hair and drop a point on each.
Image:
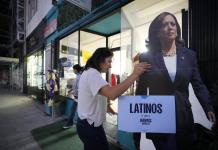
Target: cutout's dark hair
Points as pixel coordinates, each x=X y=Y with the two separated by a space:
x=98 y=57
x=154 y=41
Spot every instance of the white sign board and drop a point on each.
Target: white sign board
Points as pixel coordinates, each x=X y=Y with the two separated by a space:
x=151 y=114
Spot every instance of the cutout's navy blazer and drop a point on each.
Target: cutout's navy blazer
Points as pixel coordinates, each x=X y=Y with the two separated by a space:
x=160 y=83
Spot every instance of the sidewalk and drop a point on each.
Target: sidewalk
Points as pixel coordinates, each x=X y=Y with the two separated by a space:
x=18 y=116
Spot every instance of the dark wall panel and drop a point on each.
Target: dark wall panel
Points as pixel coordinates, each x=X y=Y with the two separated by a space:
x=203 y=19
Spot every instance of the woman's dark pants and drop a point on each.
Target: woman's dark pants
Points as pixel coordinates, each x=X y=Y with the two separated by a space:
x=94 y=138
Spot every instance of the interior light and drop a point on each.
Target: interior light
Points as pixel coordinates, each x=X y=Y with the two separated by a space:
x=157 y=7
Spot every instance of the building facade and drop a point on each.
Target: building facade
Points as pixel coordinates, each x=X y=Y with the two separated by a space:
x=60 y=34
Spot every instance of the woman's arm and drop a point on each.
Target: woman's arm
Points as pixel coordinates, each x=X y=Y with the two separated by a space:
x=115 y=91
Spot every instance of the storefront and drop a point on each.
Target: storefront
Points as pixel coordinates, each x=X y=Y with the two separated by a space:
x=34 y=70
x=77 y=47
x=68 y=56
x=124 y=31
x=34 y=63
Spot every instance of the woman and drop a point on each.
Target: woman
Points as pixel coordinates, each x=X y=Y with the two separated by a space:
x=173 y=68
x=51 y=87
x=92 y=98
x=77 y=69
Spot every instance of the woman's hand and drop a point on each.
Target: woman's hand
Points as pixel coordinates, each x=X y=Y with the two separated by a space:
x=113 y=92
x=141 y=67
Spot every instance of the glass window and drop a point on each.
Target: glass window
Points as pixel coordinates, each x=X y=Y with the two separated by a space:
x=34 y=70
x=48 y=61
x=68 y=56
x=114 y=41
x=48 y=58
x=89 y=42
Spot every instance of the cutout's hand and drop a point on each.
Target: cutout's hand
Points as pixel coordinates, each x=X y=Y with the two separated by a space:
x=211 y=116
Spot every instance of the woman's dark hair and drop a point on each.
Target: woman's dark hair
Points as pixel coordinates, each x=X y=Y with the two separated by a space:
x=78 y=68
x=154 y=41
x=98 y=57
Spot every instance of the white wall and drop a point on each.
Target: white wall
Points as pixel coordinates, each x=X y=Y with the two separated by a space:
x=42 y=9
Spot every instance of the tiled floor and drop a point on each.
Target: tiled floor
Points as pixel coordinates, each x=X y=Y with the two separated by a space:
x=18 y=116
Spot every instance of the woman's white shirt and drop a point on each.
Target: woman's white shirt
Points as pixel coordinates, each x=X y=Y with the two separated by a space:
x=91 y=105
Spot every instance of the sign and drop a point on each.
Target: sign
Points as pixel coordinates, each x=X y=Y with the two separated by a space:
x=36 y=39
x=84 y=4
x=65 y=62
x=9 y=60
x=50 y=27
x=151 y=114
